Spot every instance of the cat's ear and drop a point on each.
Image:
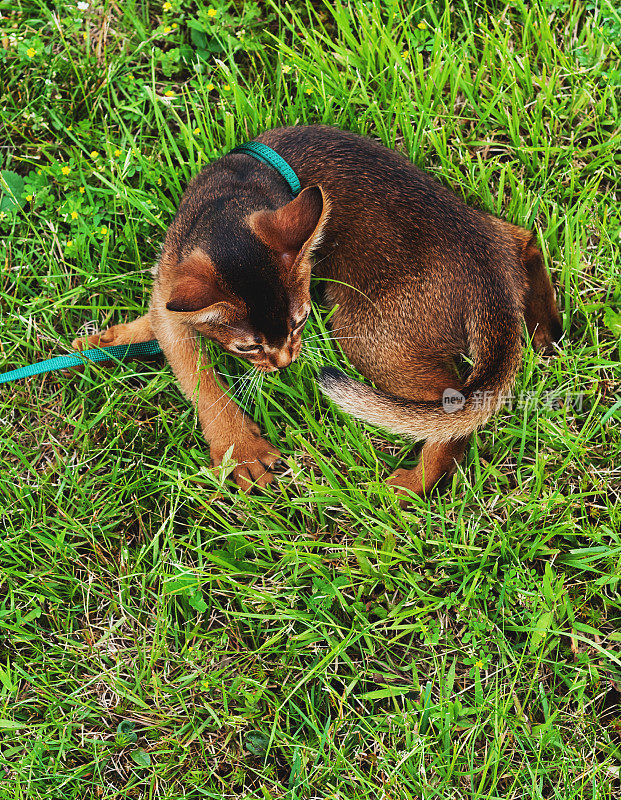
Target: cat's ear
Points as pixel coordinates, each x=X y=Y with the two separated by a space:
x=295 y=227
x=195 y=288
x=190 y=293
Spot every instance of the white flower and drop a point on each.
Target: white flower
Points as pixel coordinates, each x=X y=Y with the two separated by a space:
x=83 y=6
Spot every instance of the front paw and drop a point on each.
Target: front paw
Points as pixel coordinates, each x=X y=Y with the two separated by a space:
x=254 y=458
x=106 y=338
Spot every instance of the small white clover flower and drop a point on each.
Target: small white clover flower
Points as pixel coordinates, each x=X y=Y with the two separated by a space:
x=83 y=6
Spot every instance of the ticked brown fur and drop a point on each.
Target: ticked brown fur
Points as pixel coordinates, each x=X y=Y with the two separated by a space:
x=418 y=279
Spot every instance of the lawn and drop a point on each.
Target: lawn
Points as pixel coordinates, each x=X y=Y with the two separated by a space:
x=165 y=636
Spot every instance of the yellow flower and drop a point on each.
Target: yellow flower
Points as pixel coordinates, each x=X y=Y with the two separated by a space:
x=29 y=198
x=422 y=25
x=117 y=152
x=74 y=215
x=175 y=26
x=286 y=69
x=66 y=170
x=226 y=87
x=159 y=181
x=31 y=52
x=39 y=172
x=169 y=94
x=479 y=664
x=167 y=6
x=211 y=12
x=167 y=29
x=85 y=34
x=69 y=242
x=405 y=54
x=309 y=90
x=103 y=230
x=94 y=154
x=81 y=190
x=196 y=131
x=210 y=87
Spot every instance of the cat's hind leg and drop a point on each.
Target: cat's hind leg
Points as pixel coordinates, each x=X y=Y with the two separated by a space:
x=139 y=330
x=541 y=316
x=437 y=460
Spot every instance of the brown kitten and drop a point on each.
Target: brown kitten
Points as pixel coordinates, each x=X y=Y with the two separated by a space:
x=419 y=279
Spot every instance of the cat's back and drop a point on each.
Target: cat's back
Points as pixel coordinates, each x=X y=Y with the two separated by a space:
x=338 y=158
x=379 y=195
x=376 y=182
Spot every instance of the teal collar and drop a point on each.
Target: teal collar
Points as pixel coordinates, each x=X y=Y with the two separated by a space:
x=268 y=156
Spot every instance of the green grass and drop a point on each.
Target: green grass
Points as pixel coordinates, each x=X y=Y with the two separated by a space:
x=315 y=641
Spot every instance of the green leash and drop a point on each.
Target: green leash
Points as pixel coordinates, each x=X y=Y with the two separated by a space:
x=259 y=151
x=114 y=353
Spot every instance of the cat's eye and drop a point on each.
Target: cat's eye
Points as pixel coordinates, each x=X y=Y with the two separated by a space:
x=250 y=348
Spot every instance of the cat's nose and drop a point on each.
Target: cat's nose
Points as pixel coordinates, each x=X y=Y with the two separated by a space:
x=282 y=359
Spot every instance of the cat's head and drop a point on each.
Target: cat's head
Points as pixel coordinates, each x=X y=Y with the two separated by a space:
x=247 y=286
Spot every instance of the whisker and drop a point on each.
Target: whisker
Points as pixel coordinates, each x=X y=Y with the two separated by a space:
x=238 y=384
x=349 y=286
x=252 y=389
x=229 y=401
x=186 y=339
x=332 y=339
x=318 y=261
x=228 y=375
x=225 y=394
x=244 y=396
x=247 y=379
x=255 y=374
x=330 y=330
x=320 y=339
